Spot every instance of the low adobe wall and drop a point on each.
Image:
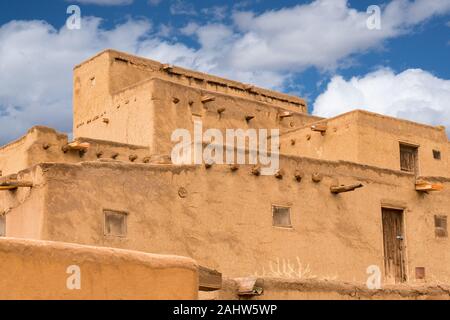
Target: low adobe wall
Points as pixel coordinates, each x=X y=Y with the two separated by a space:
x=299 y=289
x=52 y=270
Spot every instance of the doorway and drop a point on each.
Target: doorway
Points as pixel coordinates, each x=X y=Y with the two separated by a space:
x=394 y=245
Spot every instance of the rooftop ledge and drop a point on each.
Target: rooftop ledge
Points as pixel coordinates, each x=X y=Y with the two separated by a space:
x=167 y=68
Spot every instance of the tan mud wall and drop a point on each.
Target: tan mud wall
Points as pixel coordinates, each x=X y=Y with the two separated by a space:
x=170 y=116
x=24 y=208
x=379 y=138
x=371 y=139
x=91 y=94
x=340 y=142
x=42 y=144
x=291 y=289
x=39 y=270
x=121 y=94
x=225 y=221
x=127 y=70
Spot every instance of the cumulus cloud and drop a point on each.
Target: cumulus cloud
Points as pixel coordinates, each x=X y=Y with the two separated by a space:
x=266 y=49
x=413 y=94
x=181 y=7
x=36 y=67
x=322 y=34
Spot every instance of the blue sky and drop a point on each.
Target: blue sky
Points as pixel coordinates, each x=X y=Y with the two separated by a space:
x=321 y=50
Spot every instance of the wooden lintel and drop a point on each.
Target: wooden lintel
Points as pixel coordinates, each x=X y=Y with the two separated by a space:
x=209 y=280
x=12 y=185
x=206 y=99
x=77 y=146
x=348 y=188
x=424 y=186
x=319 y=127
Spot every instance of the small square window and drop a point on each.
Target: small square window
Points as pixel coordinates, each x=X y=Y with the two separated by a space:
x=281 y=217
x=2 y=225
x=420 y=273
x=115 y=223
x=440 y=225
x=437 y=154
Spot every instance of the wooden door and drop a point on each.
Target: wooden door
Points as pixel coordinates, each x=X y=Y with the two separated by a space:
x=394 y=249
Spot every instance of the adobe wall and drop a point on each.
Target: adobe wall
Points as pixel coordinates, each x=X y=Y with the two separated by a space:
x=297 y=289
x=19 y=155
x=379 y=137
x=225 y=219
x=223 y=112
x=38 y=270
x=115 y=99
x=42 y=144
x=340 y=142
x=371 y=139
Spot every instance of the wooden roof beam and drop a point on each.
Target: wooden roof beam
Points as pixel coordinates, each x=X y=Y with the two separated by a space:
x=209 y=280
x=13 y=185
x=348 y=188
x=76 y=146
x=320 y=127
x=425 y=186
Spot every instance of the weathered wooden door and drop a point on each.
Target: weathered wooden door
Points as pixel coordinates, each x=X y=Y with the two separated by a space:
x=394 y=248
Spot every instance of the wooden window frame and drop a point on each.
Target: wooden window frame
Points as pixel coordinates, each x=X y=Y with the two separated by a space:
x=415 y=148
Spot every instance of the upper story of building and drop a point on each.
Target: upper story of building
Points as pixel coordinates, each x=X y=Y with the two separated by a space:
x=127 y=108
x=127 y=99
x=373 y=139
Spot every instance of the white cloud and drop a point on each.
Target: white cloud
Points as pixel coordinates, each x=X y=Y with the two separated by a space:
x=322 y=34
x=413 y=94
x=267 y=50
x=216 y=12
x=36 y=67
x=104 y=2
x=181 y=7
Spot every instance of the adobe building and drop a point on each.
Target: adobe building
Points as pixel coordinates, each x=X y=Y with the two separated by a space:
x=355 y=191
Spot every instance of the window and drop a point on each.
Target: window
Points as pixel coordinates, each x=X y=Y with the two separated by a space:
x=437 y=154
x=2 y=225
x=281 y=216
x=408 y=158
x=115 y=223
x=440 y=226
x=420 y=273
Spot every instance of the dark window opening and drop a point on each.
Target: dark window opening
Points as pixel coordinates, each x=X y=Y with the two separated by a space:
x=115 y=223
x=281 y=217
x=408 y=158
x=440 y=225
x=437 y=154
x=420 y=273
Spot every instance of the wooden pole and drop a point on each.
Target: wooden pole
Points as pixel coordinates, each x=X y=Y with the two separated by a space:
x=348 y=188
